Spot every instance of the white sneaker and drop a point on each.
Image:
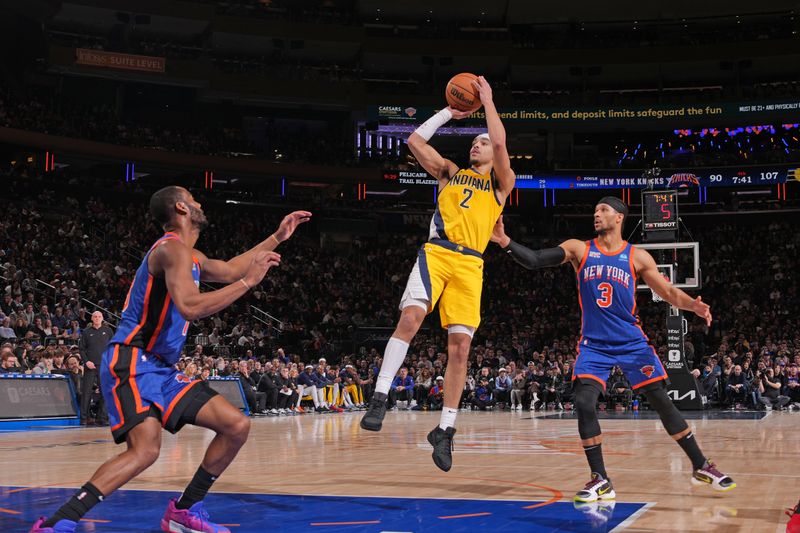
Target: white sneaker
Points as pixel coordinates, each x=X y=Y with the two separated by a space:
x=596 y=489
x=709 y=475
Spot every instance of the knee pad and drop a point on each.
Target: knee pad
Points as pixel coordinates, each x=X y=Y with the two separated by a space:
x=672 y=419
x=586 y=396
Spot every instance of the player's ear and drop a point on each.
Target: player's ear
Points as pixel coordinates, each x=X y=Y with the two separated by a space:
x=181 y=207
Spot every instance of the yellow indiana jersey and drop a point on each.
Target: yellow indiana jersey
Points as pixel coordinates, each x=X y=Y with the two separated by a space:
x=466 y=210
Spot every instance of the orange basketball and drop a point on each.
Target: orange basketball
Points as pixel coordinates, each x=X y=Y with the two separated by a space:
x=461 y=94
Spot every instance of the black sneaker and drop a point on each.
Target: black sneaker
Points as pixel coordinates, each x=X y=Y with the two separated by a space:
x=373 y=418
x=442 y=442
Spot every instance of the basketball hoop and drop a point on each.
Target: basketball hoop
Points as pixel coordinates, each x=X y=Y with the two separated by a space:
x=656 y=297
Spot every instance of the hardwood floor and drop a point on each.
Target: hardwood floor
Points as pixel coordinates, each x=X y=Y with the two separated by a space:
x=498 y=456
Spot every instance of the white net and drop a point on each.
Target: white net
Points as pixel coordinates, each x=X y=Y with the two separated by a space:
x=656 y=297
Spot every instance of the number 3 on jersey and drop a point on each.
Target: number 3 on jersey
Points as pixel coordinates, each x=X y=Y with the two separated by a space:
x=606 y=296
x=467 y=195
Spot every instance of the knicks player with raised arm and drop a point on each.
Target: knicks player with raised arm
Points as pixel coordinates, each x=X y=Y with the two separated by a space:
x=449 y=267
x=142 y=388
x=606 y=271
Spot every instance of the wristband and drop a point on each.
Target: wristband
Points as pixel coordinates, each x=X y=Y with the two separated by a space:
x=244 y=283
x=430 y=126
x=277 y=242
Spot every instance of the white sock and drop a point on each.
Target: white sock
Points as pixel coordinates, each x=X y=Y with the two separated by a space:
x=448 y=418
x=392 y=361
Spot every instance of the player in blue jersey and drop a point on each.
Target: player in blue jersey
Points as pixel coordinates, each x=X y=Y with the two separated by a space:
x=142 y=388
x=606 y=271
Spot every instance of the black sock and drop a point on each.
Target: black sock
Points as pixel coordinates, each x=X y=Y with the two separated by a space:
x=81 y=503
x=689 y=445
x=197 y=489
x=594 y=454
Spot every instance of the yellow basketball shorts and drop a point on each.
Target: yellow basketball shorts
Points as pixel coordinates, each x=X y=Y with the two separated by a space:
x=451 y=278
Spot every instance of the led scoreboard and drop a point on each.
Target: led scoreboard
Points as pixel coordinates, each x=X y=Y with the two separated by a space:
x=660 y=215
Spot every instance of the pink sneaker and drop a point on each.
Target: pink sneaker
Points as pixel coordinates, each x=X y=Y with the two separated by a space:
x=62 y=526
x=191 y=520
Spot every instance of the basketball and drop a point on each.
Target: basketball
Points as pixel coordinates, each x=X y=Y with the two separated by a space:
x=461 y=94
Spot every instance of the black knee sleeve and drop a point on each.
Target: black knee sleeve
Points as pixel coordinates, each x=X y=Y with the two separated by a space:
x=672 y=419
x=586 y=395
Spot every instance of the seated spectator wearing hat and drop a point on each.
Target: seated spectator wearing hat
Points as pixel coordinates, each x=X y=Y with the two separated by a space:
x=483 y=393
x=502 y=388
x=307 y=386
x=436 y=395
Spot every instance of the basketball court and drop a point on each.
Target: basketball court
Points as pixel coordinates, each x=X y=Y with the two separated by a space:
x=511 y=472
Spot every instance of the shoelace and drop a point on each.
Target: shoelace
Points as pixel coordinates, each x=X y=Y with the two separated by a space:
x=447 y=437
x=712 y=469
x=203 y=514
x=592 y=483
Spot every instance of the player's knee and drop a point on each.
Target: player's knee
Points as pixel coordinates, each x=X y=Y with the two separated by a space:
x=146 y=455
x=586 y=400
x=409 y=323
x=671 y=418
x=240 y=429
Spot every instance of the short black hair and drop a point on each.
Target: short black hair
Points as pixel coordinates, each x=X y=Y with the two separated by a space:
x=162 y=202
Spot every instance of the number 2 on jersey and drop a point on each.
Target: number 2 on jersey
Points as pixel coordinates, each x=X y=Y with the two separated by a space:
x=465 y=202
x=607 y=294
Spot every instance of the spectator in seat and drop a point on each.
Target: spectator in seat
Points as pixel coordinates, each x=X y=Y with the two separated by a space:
x=422 y=388
x=768 y=392
x=402 y=389
x=551 y=388
x=287 y=391
x=736 y=388
x=518 y=390
x=502 y=387
x=483 y=393
x=307 y=386
x=619 y=389
x=436 y=395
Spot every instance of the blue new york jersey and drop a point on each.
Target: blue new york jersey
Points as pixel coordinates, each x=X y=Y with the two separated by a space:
x=607 y=294
x=150 y=320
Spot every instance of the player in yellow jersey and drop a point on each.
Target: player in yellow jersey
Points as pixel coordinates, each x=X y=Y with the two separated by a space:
x=449 y=267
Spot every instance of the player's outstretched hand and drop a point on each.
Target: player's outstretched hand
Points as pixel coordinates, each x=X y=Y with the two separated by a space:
x=499 y=233
x=261 y=263
x=702 y=309
x=290 y=223
x=483 y=88
x=458 y=114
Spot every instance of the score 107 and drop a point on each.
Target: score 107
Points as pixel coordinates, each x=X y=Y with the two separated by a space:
x=745 y=179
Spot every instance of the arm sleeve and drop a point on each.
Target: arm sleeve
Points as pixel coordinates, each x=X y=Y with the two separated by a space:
x=533 y=259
